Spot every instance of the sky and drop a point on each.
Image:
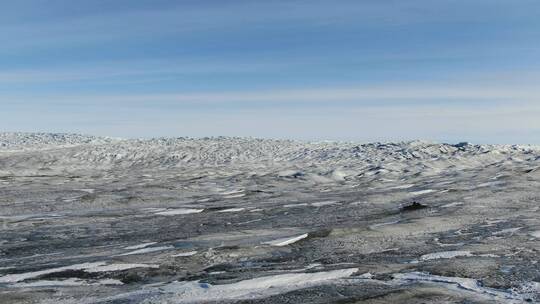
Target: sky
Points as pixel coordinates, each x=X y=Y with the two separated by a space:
x=362 y=70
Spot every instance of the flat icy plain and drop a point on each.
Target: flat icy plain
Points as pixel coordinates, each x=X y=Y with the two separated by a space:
x=232 y=220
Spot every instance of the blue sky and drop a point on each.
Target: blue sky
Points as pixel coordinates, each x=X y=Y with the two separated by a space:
x=366 y=70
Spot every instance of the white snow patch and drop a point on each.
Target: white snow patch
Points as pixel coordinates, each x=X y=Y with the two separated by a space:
x=119 y=267
x=488 y=255
x=406 y=186
x=147 y=250
x=237 y=191
x=232 y=210
x=295 y=205
x=445 y=255
x=316 y=204
x=454 y=204
x=506 y=231
x=324 y=203
x=420 y=192
x=366 y=276
x=189 y=292
x=66 y=282
x=286 y=241
x=535 y=234
x=17 y=277
x=140 y=246
x=179 y=211
x=153 y=209
x=87 y=190
x=359 y=203
x=489 y=184
x=340 y=175
x=87 y=267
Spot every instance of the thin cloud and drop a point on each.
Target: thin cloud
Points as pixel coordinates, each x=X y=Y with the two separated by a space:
x=317 y=95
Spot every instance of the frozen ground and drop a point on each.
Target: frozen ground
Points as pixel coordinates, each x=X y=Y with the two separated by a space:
x=104 y=220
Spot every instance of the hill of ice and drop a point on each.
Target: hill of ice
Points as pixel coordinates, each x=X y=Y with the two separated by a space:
x=335 y=160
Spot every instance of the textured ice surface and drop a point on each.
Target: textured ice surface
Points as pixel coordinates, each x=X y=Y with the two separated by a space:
x=99 y=220
x=464 y=283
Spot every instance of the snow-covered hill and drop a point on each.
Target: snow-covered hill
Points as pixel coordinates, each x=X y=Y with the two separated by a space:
x=71 y=151
x=17 y=141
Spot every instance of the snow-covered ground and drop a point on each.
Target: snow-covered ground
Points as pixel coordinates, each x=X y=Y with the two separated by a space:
x=87 y=219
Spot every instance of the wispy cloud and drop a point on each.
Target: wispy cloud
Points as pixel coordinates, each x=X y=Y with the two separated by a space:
x=119 y=69
x=401 y=93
